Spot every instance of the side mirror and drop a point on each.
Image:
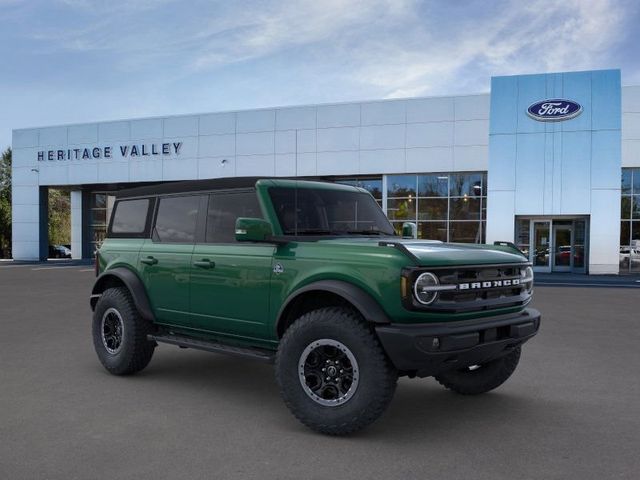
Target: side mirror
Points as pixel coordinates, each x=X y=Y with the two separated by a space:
x=409 y=230
x=252 y=230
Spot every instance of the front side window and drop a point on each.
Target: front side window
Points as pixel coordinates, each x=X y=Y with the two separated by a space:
x=130 y=216
x=176 y=219
x=224 y=209
x=319 y=211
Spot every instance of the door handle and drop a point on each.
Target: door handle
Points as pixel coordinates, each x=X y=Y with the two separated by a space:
x=204 y=263
x=149 y=260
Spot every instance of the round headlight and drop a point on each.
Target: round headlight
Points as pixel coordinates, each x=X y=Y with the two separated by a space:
x=423 y=288
x=526 y=278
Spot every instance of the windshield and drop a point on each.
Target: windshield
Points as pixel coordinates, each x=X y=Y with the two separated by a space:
x=318 y=211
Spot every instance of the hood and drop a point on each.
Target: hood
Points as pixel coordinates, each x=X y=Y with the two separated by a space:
x=437 y=254
x=433 y=253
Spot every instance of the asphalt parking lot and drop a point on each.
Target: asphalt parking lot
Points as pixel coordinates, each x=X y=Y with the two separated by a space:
x=571 y=410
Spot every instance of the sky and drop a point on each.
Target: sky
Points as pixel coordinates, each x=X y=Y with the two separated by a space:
x=75 y=61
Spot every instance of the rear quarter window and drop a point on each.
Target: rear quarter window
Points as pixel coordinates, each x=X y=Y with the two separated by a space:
x=176 y=219
x=130 y=217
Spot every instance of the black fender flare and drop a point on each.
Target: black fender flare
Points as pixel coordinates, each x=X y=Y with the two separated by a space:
x=133 y=284
x=361 y=300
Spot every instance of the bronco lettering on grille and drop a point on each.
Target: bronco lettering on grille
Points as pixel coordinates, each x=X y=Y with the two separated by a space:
x=509 y=282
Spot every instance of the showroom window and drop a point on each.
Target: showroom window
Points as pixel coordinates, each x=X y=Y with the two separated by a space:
x=630 y=221
x=100 y=206
x=372 y=184
x=446 y=206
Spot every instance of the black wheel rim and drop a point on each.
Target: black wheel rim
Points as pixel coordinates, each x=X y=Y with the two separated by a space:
x=112 y=330
x=328 y=372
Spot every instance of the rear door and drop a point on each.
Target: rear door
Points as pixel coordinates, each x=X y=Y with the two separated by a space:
x=165 y=259
x=230 y=280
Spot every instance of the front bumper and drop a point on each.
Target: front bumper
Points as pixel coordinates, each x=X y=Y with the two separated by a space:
x=428 y=349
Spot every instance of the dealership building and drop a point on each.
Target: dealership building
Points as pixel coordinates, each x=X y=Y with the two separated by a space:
x=550 y=162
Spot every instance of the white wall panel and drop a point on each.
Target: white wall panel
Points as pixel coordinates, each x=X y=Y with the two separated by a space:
x=53 y=173
x=26 y=250
x=471 y=132
x=500 y=215
x=436 y=109
x=436 y=134
x=472 y=107
x=470 y=158
x=259 y=143
x=76 y=224
x=382 y=137
x=218 y=123
x=112 y=172
x=631 y=99
x=216 y=167
x=114 y=131
x=25 y=157
x=24 y=195
x=255 y=165
x=148 y=128
x=631 y=126
x=285 y=165
x=337 y=163
x=179 y=168
x=145 y=170
x=25 y=138
x=83 y=133
x=24 y=231
x=631 y=153
x=217 y=145
x=286 y=141
x=183 y=126
x=382 y=161
x=432 y=159
x=345 y=115
x=337 y=139
x=26 y=213
x=306 y=141
x=384 y=113
x=296 y=118
x=83 y=173
x=306 y=164
x=24 y=176
x=255 y=121
x=53 y=136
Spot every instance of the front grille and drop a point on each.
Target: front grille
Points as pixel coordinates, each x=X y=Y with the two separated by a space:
x=477 y=288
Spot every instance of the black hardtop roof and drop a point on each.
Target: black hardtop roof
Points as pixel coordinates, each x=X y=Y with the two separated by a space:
x=200 y=186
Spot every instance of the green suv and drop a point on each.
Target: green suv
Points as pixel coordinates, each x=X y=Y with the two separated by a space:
x=312 y=277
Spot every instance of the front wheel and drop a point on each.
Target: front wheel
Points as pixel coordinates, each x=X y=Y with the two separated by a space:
x=332 y=372
x=481 y=378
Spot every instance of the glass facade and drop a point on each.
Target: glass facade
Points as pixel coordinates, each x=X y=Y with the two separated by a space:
x=445 y=206
x=372 y=184
x=100 y=206
x=630 y=221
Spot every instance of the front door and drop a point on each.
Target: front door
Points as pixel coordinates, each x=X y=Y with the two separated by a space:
x=541 y=243
x=229 y=280
x=562 y=248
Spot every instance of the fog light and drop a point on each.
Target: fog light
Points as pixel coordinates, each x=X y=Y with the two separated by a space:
x=435 y=343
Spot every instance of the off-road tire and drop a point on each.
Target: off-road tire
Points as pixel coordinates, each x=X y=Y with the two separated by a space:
x=135 y=351
x=377 y=376
x=488 y=376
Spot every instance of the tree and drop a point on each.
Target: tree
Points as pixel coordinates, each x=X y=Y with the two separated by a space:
x=59 y=216
x=5 y=204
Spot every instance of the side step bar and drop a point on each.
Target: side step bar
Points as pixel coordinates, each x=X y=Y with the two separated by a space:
x=261 y=355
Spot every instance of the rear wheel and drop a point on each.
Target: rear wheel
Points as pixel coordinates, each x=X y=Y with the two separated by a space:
x=120 y=333
x=332 y=372
x=481 y=378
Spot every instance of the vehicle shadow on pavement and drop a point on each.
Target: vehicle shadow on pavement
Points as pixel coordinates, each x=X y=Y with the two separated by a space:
x=420 y=408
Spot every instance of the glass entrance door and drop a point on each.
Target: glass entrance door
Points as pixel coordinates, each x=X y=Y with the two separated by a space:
x=562 y=248
x=541 y=243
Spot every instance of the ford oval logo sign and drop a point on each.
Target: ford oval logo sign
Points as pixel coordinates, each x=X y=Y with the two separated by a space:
x=554 y=110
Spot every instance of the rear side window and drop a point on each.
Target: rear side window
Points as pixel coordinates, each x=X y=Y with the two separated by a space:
x=224 y=209
x=176 y=219
x=130 y=217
